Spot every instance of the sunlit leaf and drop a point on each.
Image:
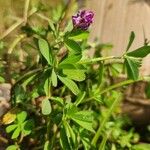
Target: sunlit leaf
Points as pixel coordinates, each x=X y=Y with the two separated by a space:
x=28 y=127
x=21 y=116
x=63 y=139
x=45 y=50
x=70 y=84
x=47 y=86
x=140 y=52
x=16 y=133
x=12 y=147
x=71 y=59
x=70 y=133
x=73 y=46
x=54 y=78
x=58 y=100
x=131 y=39
x=80 y=98
x=78 y=35
x=75 y=74
x=10 y=128
x=141 y=147
x=83 y=118
x=132 y=65
x=46 y=107
x=47 y=145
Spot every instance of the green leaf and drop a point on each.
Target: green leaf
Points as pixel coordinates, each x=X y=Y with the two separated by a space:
x=75 y=74
x=73 y=46
x=117 y=97
x=131 y=39
x=54 y=78
x=16 y=133
x=51 y=25
x=67 y=66
x=147 y=90
x=70 y=84
x=141 y=147
x=85 y=138
x=47 y=86
x=28 y=127
x=71 y=59
x=46 y=107
x=21 y=116
x=116 y=69
x=58 y=100
x=10 y=128
x=80 y=98
x=47 y=145
x=78 y=35
x=45 y=50
x=12 y=147
x=140 y=52
x=63 y=139
x=83 y=118
x=103 y=143
x=70 y=133
x=28 y=80
x=132 y=65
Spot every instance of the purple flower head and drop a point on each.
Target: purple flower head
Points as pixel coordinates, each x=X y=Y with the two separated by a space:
x=83 y=19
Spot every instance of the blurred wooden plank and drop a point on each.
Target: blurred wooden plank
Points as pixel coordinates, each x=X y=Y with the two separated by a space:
x=115 y=19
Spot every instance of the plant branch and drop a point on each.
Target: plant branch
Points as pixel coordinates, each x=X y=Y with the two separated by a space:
x=89 y=61
x=15 y=42
x=17 y=24
x=126 y=82
x=123 y=83
x=103 y=122
x=26 y=8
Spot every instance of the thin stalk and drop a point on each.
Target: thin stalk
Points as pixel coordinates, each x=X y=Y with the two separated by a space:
x=117 y=85
x=12 y=28
x=48 y=117
x=99 y=131
x=15 y=42
x=26 y=8
x=102 y=125
x=103 y=143
x=17 y=24
x=89 y=61
x=3 y=140
x=48 y=128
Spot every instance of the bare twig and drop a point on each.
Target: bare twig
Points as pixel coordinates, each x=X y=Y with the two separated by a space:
x=15 y=42
x=4 y=140
x=26 y=8
x=17 y=24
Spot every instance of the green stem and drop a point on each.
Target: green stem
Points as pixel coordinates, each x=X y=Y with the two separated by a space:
x=103 y=122
x=120 y=84
x=98 y=133
x=48 y=128
x=112 y=87
x=103 y=143
x=88 y=61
